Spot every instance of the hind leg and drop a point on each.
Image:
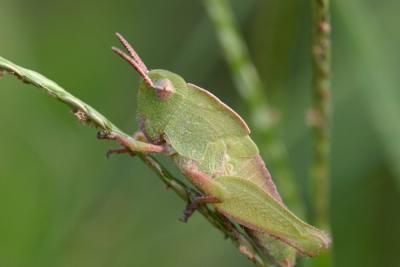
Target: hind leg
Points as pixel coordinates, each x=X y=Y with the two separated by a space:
x=205 y=183
x=194 y=205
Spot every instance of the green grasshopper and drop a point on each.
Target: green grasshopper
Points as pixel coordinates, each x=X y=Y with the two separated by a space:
x=210 y=144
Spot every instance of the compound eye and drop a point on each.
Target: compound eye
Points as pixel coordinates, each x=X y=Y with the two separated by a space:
x=164 y=88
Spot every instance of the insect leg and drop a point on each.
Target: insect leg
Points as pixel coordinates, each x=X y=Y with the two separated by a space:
x=137 y=136
x=194 y=205
x=132 y=144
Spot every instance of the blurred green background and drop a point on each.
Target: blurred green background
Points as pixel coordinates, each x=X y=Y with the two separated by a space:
x=63 y=204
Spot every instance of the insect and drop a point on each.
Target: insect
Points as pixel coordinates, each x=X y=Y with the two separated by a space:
x=210 y=144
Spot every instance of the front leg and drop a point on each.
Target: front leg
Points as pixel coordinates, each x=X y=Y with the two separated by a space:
x=139 y=136
x=133 y=145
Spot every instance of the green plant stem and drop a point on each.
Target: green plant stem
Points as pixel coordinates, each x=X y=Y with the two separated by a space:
x=321 y=111
x=320 y=118
x=91 y=117
x=251 y=89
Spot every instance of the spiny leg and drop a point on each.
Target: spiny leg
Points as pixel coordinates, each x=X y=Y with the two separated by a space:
x=194 y=205
x=202 y=181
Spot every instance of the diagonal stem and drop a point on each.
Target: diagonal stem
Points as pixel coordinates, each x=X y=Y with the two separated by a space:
x=91 y=117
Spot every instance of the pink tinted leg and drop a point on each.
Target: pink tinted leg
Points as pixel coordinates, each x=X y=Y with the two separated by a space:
x=202 y=181
x=194 y=205
x=132 y=144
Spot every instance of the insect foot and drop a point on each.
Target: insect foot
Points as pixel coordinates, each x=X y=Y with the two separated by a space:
x=102 y=135
x=194 y=205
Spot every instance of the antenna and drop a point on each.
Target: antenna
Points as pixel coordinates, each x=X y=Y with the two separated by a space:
x=132 y=51
x=135 y=60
